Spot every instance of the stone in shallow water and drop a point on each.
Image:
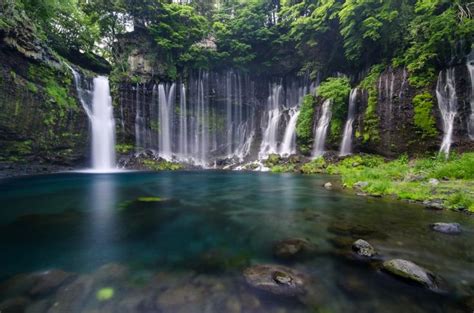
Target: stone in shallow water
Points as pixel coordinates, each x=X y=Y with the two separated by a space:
x=276 y=279
x=447 y=228
x=292 y=248
x=412 y=272
x=35 y=284
x=48 y=281
x=14 y=305
x=363 y=248
x=328 y=186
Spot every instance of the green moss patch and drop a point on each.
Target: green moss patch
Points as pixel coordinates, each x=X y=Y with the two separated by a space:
x=105 y=294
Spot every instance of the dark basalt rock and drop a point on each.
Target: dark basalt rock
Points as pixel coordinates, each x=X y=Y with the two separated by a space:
x=447 y=228
x=35 y=284
x=276 y=279
x=363 y=248
x=411 y=272
x=14 y=305
x=47 y=282
x=292 y=248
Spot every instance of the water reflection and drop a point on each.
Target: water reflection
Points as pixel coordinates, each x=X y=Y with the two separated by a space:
x=100 y=228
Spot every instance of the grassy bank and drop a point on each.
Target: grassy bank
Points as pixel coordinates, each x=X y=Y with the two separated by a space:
x=448 y=182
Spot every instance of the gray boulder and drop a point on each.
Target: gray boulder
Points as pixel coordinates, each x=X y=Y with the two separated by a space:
x=447 y=228
x=363 y=248
x=292 y=248
x=411 y=272
x=276 y=279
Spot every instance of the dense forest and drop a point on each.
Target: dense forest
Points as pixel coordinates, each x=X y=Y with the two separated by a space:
x=322 y=37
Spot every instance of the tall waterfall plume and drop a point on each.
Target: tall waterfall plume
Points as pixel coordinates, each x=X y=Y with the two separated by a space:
x=321 y=129
x=288 y=146
x=270 y=143
x=448 y=105
x=346 y=145
x=98 y=106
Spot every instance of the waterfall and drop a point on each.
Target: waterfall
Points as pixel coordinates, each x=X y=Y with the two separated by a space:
x=98 y=106
x=103 y=126
x=269 y=143
x=447 y=103
x=346 y=145
x=211 y=118
x=166 y=99
x=183 y=123
x=470 y=66
x=321 y=129
x=288 y=146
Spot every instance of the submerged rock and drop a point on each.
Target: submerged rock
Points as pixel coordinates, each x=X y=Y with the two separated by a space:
x=447 y=228
x=48 y=281
x=35 y=284
x=411 y=272
x=328 y=186
x=292 y=248
x=276 y=279
x=14 y=305
x=363 y=248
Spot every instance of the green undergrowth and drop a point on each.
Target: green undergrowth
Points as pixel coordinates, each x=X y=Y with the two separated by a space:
x=336 y=89
x=371 y=119
x=162 y=165
x=431 y=178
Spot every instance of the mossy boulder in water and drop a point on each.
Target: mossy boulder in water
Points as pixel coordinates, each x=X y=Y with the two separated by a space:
x=276 y=279
x=363 y=248
x=411 y=272
x=293 y=248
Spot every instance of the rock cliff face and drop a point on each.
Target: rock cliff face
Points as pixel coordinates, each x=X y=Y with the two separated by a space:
x=41 y=121
x=396 y=129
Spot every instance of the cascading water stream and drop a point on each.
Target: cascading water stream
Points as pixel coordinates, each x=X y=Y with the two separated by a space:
x=321 y=129
x=448 y=105
x=346 y=145
x=98 y=106
x=470 y=67
x=166 y=98
x=103 y=126
x=270 y=135
x=288 y=145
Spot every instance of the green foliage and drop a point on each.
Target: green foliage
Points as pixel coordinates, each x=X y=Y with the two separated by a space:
x=55 y=84
x=337 y=90
x=371 y=119
x=304 y=125
x=424 y=119
x=150 y=199
x=410 y=179
x=438 y=27
x=162 y=165
x=124 y=148
x=272 y=160
x=316 y=166
x=283 y=168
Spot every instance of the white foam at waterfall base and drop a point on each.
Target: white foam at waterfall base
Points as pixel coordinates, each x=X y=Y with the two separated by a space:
x=346 y=145
x=447 y=103
x=321 y=130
